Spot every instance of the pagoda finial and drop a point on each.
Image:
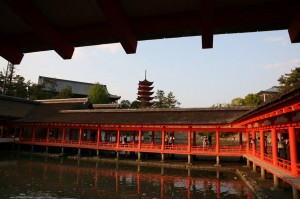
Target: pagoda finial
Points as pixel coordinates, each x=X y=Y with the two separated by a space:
x=145 y=74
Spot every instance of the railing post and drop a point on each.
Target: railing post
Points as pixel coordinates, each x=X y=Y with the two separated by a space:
x=293 y=150
x=274 y=147
x=262 y=144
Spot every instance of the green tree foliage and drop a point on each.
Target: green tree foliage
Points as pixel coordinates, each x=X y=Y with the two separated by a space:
x=35 y=92
x=236 y=102
x=289 y=79
x=125 y=104
x=64 y=93
x=98 y=94
x=163 y=101
x=135 y=104
x=253 y=100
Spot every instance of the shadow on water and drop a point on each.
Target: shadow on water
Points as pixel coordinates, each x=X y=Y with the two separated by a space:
x=24 y=176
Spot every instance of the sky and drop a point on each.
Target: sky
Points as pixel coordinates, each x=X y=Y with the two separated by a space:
x=238 y=64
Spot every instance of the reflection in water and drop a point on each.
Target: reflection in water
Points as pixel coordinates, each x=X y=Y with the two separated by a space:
x=53 y=178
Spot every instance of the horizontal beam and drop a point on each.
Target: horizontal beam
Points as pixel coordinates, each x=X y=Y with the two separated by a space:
x=234 y=20
x=294 y=30
x=34 y=18
x=119 y=25
x=207 y=23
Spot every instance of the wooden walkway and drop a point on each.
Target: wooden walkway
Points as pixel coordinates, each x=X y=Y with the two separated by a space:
x=292 y=180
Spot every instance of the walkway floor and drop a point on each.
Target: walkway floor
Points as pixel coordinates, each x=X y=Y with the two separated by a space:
x=292 y=180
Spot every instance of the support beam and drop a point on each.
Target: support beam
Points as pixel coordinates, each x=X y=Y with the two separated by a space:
x=120 y=27
x=293 y=151
x=10 y=53
x=262 y=144
x=34 y=18
x=295 y=193
x=254 y=168
x=274 y=147
x=262 y=173
x=276 y=181
x=207 y=23
x=247 y=141
x=294 y=30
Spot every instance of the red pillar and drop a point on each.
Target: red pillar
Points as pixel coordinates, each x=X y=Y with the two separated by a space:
x=247 y=141
x=293 y=150
x=48 y=135
x=189 y=141
x=253 y=142
x=133 y=137
x=80 y=136
x=262 y=144
x=217 y=141
x=98 y=136
x=241 y=140
x=274 y=147
x=163 y=134
x=140 y=139
x=63 y=135
x=173 y=141
x=118 y=138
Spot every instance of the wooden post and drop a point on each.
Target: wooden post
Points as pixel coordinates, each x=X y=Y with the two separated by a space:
x=217 y=148
x=274 y=147
x=140 y=139
x=189 y=141
x=63 y=135
x=194 y=138
x=247 y=141
x=276 y=181
x=98 y=137
x=48 y=135
x=80 y=136
x=293 y=150
x=254 y=166
x=33 y=134
x=152 y=138
x=118 y=138
x=262 y=173
x=163 y=134
x=253 y=142
x=262 y=144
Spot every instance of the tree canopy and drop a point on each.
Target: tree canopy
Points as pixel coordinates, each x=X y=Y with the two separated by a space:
x=98 y=94
x=164 y=101
x=289 y=79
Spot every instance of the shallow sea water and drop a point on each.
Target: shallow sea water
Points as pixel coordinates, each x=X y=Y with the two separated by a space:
x=27 y=177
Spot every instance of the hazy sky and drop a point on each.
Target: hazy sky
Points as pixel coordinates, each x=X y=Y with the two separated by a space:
x=237 y=65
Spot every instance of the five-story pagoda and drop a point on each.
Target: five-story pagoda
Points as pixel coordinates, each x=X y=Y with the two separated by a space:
x=144 y=93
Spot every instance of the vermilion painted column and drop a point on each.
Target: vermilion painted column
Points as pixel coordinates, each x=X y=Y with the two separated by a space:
x=254 y=142
x=217 y=141
x=48 y=134
x=163 y=134
x=63 y=135
x=274 y=147
x=241 y=140
x=140 y=139
x=98 y=137
x=189 y=141
x=247 y=141
x=293 y=150
x=80 y=136
x=118 y=138
x=262 y=144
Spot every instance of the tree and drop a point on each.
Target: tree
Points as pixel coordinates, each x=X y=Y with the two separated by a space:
x=35 y=91
x=98 y=94
x=135 y=104
x=236 y=102
x=163 y=101
x=253 y=100
x=289 y=79
x=125 y=104
x=65 y=93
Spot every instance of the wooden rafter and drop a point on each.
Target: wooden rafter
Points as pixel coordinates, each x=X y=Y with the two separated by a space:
x=33 y=17
x=119 y=25
x=294 y=30
x=207 y=23
x=10 y=53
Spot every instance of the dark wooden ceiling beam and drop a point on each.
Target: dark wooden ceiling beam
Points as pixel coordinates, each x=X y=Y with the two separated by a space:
x=10 y=53
x=207 y=23
x=34 y=18
x=119 y=25
x=294 y=30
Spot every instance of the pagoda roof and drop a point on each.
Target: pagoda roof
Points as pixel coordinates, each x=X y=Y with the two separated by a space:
x=145 y=87
x=145 y=82
x=145 y=98
x=145 y=92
